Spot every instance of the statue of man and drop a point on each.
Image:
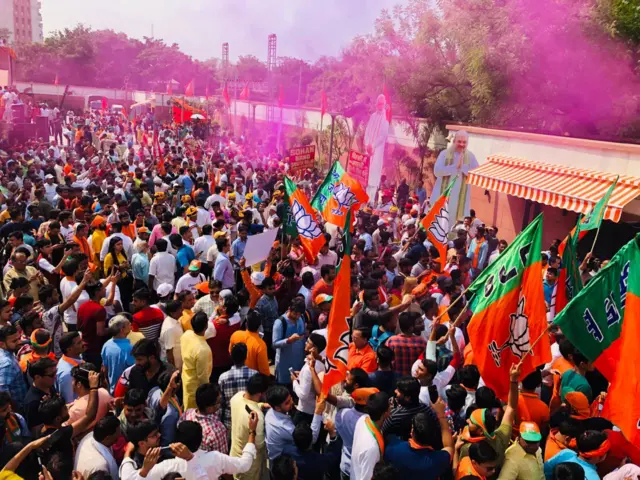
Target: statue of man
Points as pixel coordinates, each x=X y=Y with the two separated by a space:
x=375 y=137
x=456 y=161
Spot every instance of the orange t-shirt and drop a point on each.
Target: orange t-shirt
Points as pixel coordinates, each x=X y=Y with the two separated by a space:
x=465 y=467
x=531 y=409
x=364 y=359
x=553 y=446
x=129 y=231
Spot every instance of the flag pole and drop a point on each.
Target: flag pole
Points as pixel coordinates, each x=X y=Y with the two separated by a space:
x=595 y=239
x=530 y=351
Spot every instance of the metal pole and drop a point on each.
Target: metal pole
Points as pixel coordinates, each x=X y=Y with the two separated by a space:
x=333 y=121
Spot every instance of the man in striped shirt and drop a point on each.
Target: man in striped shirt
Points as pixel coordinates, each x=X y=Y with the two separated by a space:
x=146 y=320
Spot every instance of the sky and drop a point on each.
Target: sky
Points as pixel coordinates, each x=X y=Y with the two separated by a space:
x=306 y=29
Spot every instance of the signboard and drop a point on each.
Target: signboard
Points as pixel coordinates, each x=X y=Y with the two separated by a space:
x=302 y=158
x=358 y=167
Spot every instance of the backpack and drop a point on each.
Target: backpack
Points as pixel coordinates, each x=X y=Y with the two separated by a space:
x=378 y=337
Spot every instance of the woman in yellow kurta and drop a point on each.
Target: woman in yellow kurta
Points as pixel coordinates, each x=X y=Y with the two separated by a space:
x=197 y=360
x=118 y=258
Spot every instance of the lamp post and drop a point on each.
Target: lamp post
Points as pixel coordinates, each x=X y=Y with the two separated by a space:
x=333 y=124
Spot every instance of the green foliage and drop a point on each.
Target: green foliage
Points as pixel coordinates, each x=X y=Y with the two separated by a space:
x=626 y=14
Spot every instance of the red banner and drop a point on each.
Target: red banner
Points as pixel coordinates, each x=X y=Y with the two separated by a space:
x=358 y=167
x=301 y=158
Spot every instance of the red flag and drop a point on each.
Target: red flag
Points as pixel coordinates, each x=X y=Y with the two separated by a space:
x=225 y=95
x=281 y=96
x=169 y=88
x=323 y=102
x=55 y=80
x=244 y=94
x=104 y=103
x=387 y=97
x=189 y=89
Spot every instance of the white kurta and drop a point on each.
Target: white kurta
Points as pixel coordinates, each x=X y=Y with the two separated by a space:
x=376 y=136
x=441 y=170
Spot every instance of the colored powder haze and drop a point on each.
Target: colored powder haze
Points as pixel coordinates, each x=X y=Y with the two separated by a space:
x=305 y=28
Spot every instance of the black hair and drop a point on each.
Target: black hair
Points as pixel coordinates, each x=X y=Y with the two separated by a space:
x=456 y=397
x=50 y=408
x=385 y=471
x=172 y=306
x=318 y=341
x=60 y=467
x=161 y=245
x=307 y=279
x=407 y=321
x=302 y=436
x=385 y=356
x=377 y=405
x=568 y=471
x=482 y=452
x=277 y=395
x=239 y=354
x=39 y=367
x=207 y=395
x=326 y=269
x=101 y=475
x=145 y=348
x=254 y=320
x=140 y=431
x=590 y=440
x=135 y=397
x=258 y=383
x=45 y=292
x=365 y=332
x=93 y=288
x=66 y=340
x=190 y=434
x=469 y=376
x=199 y=322
x=532 y=381
x=7 y=331
x=486 y=398
x=142 y=294
x=360 y=377
x=409 y=387
x=105 y=427
x=283 y=468
x=230 y=305
x=268 y=282
x=422 y=428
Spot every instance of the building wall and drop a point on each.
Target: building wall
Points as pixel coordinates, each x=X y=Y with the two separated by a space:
x=6 y=17
x=23 y=19
x=37 y=31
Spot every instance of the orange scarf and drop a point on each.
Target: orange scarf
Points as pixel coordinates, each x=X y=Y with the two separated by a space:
x=476 y=252
x=84 y=245
x=70 y=360
x=598 y=452
x=416 y=446
x=373 y=429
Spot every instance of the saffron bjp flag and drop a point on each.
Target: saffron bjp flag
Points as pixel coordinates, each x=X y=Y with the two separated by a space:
x=311 y=235
x=244 y=94
x=569 y=280
x=339 y=194
x=225 y=95
x=592 y=220
x=56 y=81
x=189 y=89
x=509 y=312
x=338 y=337
x=603 y=322
x=436 y=224
x=323 y=102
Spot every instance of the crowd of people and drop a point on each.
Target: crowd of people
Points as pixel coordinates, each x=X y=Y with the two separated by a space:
x=135 y=341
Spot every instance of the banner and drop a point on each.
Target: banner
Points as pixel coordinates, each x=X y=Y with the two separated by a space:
x=301 y=159
x=358 y=167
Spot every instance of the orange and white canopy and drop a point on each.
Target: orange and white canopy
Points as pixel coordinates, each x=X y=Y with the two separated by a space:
x=560 y=186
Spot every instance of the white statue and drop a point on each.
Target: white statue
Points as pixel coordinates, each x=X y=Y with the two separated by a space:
x=456 y=161
x=375 y=137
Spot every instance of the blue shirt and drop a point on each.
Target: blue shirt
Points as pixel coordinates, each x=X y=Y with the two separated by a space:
x=223 y=271
x=279 y=433
x=237 y=249
x=116 y=356
x=64 y=381
x=167 y=419
x=346 y=420
x=288 y=355
x=184 y=257
x=11 y=377
x=567 y=455
x=140 y=267
x=186 y=183
x=411 y=463
x=548 y=291
x=267 y=307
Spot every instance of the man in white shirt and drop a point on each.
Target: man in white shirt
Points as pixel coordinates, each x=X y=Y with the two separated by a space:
x=216 y=197
x=203 y=216
x=310 y=378
x=170 y=334
x=189 y=280
x=326 y=256
x=127 y=243
x=50 y=188
x=368 y=443
x=162 y=267
x=203 y=243
x=94 y=451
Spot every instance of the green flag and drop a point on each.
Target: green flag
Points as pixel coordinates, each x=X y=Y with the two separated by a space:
x=323 y=194
x=569 y=279
x=593 y=219
x=592 y=321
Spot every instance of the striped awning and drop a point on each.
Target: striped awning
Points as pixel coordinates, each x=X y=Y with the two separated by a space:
x=570 y=188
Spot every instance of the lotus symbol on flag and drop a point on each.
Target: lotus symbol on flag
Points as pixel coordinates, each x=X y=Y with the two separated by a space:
x=440 y=226
x=519 y=340
x=344 y=196
x=306 y=225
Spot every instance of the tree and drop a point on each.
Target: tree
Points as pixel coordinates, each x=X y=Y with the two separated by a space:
x=250 y=69
x=5 y=33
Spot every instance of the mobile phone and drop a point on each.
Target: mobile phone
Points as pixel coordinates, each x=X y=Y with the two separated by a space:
x=165 y=448
x=433 y=393
x=249 y=411
x=291 y=370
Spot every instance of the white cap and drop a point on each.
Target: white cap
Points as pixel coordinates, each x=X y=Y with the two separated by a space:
x=48 y=176
x=164 y=289
x=257 y=278
x=226 y=293
x=381 y=222
x=409 y=222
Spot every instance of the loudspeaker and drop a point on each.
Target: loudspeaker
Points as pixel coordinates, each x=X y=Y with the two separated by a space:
x=22 y=132
x=17 y=113
x=42 y=127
